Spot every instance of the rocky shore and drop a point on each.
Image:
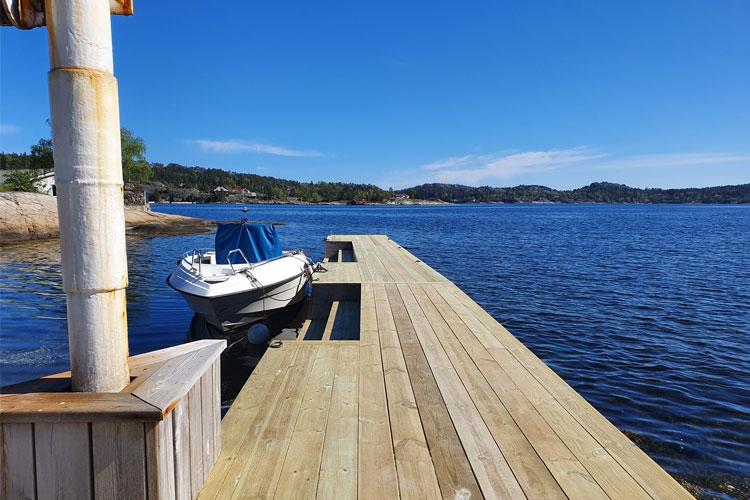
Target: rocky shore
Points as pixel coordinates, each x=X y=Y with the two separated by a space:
x=32 y=216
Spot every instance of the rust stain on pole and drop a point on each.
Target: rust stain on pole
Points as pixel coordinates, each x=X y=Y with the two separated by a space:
x=28 y=14
x=85 y=115
x=121 y=7
x=88 y=171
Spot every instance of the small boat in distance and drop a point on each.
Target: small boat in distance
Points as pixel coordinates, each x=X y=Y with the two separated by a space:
x=245 y=278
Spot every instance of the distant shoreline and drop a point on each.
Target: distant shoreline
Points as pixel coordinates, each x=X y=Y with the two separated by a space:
x=318 y=203
x=179 y=183
x=417 y=203
x=33 y=216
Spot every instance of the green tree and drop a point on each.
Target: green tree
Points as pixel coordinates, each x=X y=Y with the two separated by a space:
x=18 y=180
x=41 y=156
x=135 y=168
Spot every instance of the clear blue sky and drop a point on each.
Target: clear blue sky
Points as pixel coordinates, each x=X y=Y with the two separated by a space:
x=560 y=93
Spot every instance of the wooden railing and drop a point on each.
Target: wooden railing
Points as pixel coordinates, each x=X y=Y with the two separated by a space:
x=157 y=438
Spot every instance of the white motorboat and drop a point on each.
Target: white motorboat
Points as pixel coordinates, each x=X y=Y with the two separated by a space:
x=245 y=278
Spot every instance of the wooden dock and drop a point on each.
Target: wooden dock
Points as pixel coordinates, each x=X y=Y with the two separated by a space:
x=400 y=385
x=157 y=438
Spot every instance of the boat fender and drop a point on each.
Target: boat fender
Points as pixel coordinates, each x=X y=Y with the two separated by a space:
x=258 y=334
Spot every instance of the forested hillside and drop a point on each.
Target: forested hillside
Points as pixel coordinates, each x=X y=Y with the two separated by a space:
x=179 y=177
x=598 y=192
x=206 y=179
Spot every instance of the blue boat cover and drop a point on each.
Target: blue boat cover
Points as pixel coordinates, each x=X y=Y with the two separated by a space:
x=258 y=242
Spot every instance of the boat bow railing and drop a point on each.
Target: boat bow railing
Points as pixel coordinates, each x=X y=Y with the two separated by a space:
x=195 y=258
x=191 y=258
x=229 y=259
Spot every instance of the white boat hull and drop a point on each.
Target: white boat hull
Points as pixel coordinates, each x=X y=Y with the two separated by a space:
x=229 y=298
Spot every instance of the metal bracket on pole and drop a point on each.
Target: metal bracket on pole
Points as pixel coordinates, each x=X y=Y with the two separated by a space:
x=27 y=14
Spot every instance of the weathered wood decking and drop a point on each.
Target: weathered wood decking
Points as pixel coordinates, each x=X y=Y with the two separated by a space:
x=435 y=399
x=156 y=439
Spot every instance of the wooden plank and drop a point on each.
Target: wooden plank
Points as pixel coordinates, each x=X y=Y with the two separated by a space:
x=17 y=461
x=304 y=329
x=395 y=268
x=163 y=355
x=476 y=367
x=362 y=252
x=264 y=457
x=327 y=342
x=349 y=272
x=379 y=271
x=655 y=480
x=207 y=419
x=376 y=461
x=217 y=407
x=176 y=376
x=119 y=457
x=490 y=466
x=195 y=425
x=429 y=274
x=140 y=375
x=63 y=461
x=569 y=473
x=361 y=256
x=331 y=320
x=299 y=475
x=405 y=259
x=452 y=467
x=74 y=407
x=181 y=437
x=160 y=472
x=338 y=468
x=241 y=424
x=607 y=472
x=416 y=473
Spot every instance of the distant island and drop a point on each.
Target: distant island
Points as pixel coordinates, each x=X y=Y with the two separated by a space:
x=178 y=183
x=597 y=192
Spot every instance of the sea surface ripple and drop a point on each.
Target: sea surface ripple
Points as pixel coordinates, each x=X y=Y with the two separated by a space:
x=645 y=310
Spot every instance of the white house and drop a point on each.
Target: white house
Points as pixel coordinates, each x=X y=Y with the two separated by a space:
x=45 y=183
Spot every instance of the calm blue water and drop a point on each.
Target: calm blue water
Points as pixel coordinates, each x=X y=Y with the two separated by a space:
x=645 y=310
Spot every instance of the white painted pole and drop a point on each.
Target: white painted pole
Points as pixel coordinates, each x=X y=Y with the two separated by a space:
x=88 y=175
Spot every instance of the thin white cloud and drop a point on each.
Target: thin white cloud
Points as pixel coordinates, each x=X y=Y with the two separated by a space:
x=233 y=147
x=473 y=169
x=498 y=169
x=8 y=129
x=453 y=162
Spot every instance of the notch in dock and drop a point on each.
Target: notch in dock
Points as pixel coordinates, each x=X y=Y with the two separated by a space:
x=334 y=313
